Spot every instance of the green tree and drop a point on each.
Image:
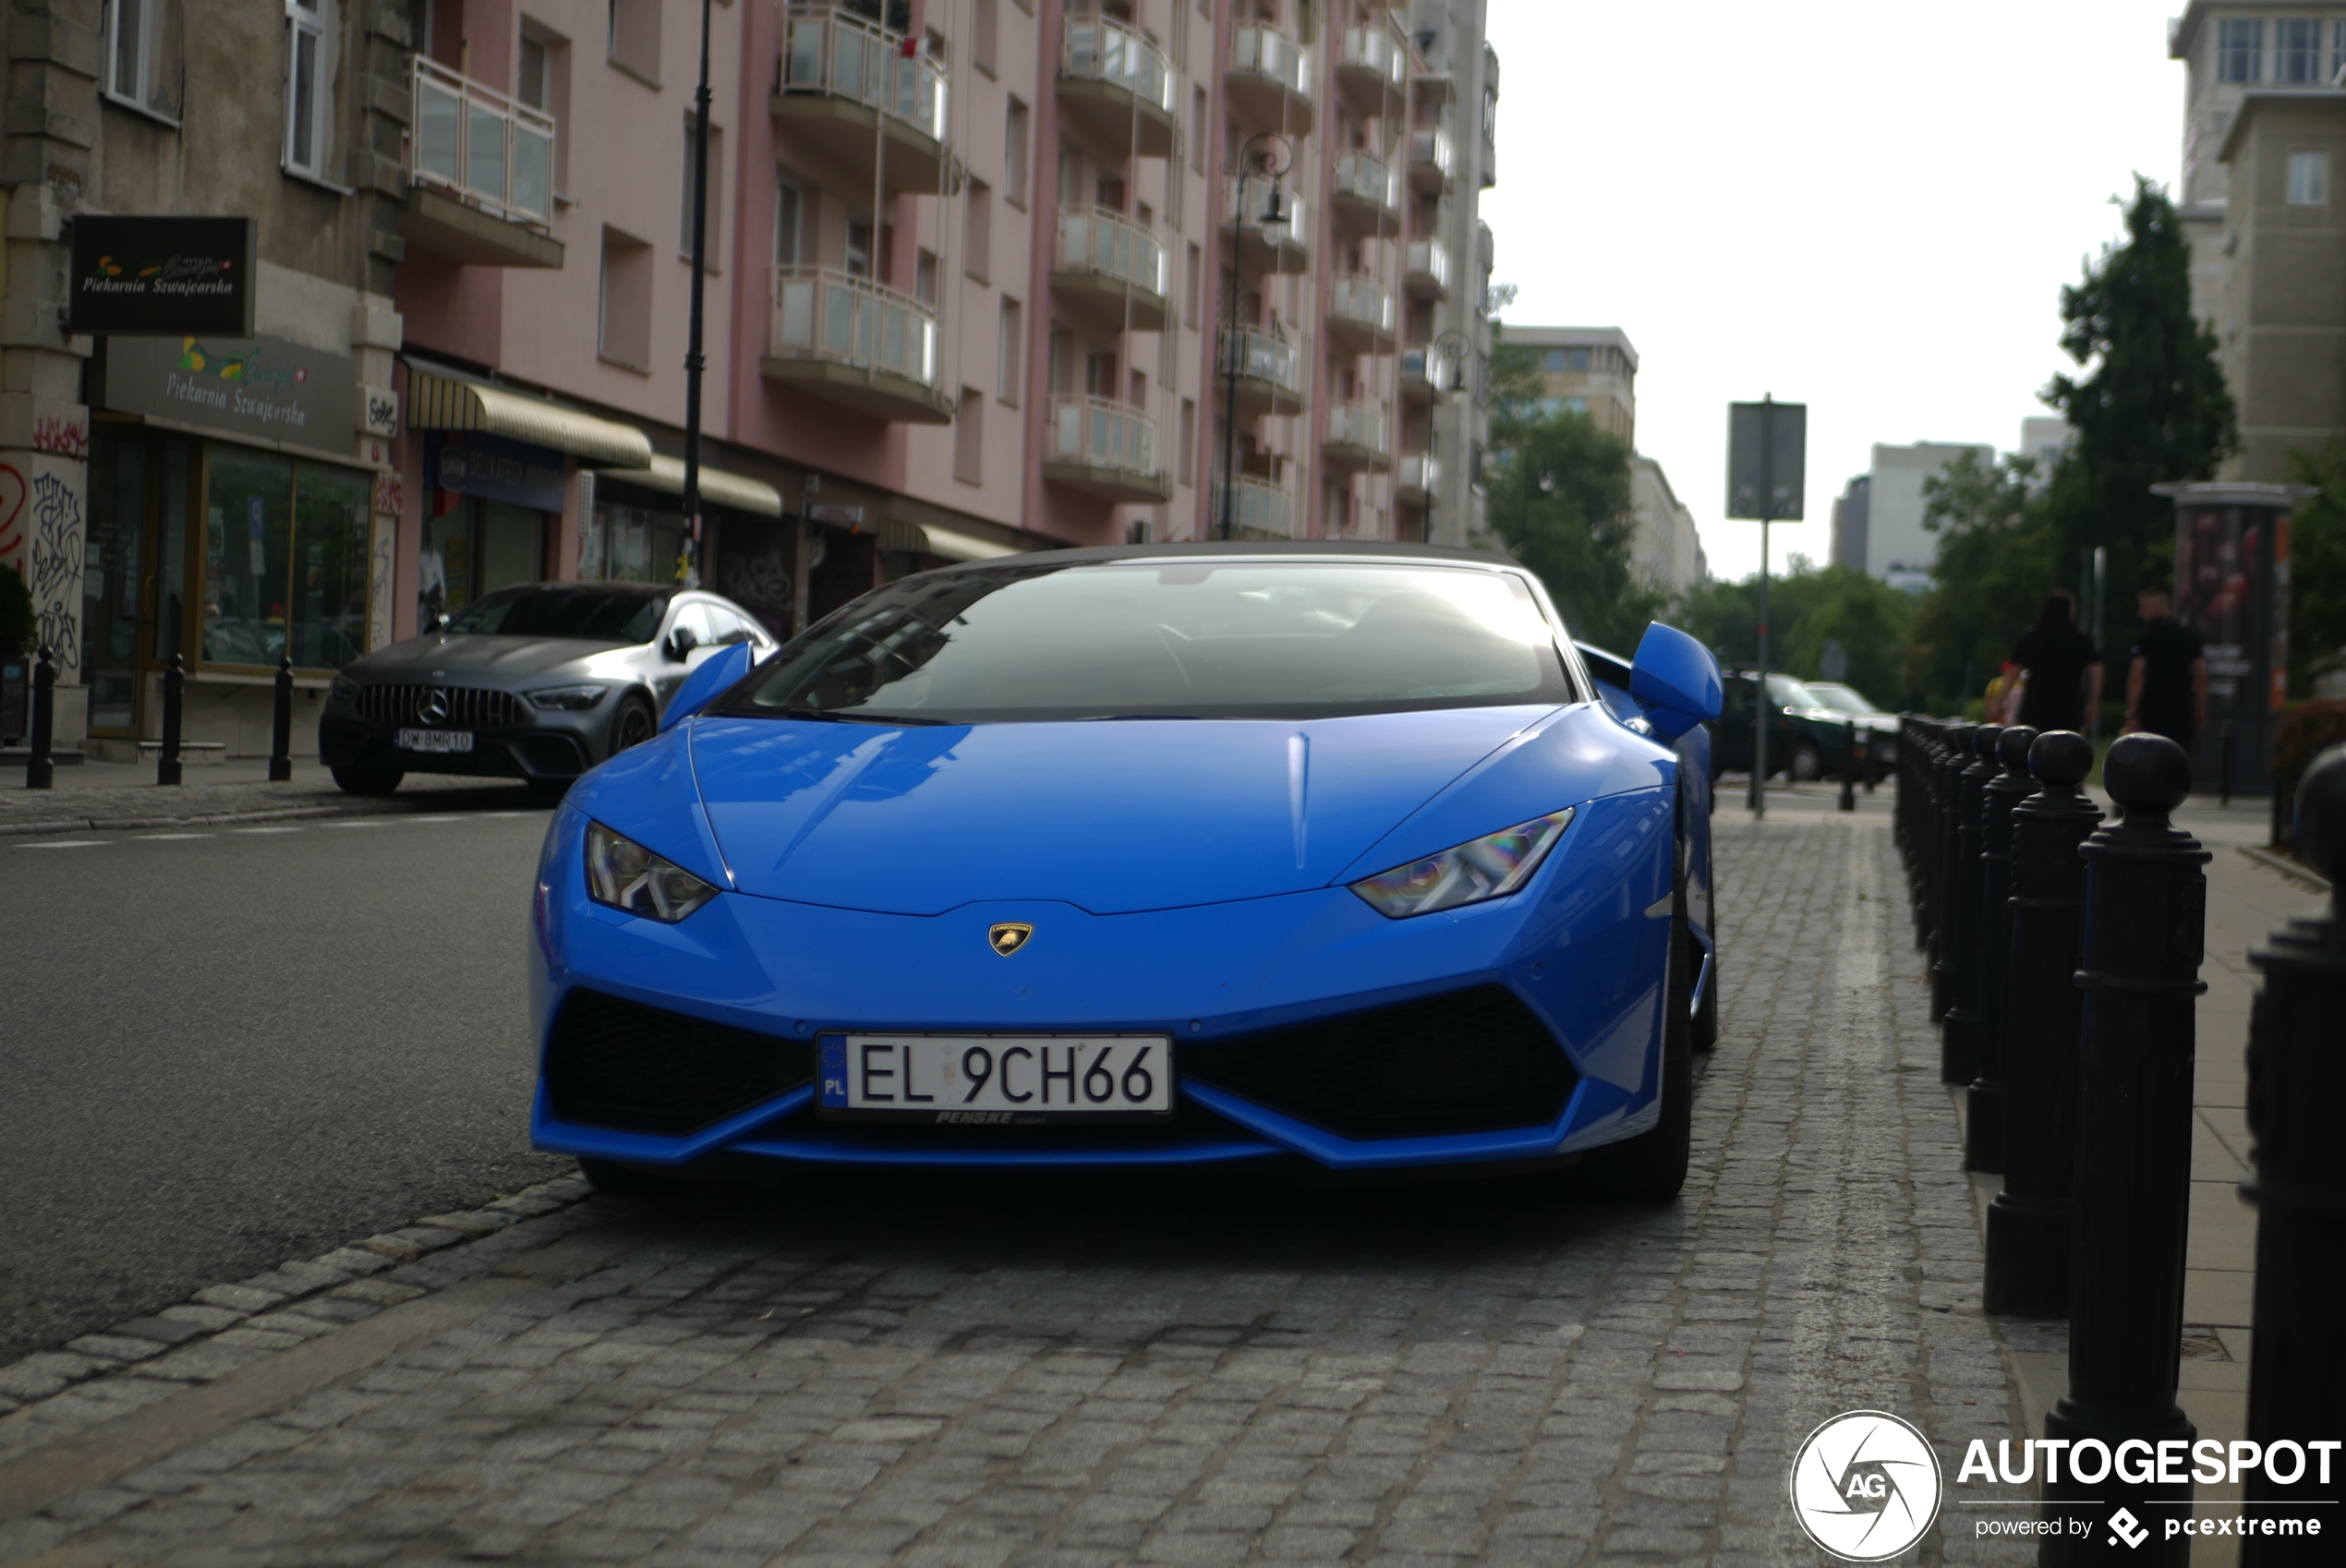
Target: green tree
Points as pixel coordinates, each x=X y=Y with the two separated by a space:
x=1560 y=500
x=1997 y=561
x=2148 y=406
x=2318 y=568
x=1807 y=607
x=16 y=621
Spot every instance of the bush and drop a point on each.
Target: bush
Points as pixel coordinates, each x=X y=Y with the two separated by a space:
x=2309 y=730
x=17 y=625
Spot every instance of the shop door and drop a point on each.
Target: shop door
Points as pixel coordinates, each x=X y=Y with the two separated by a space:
x=110 y=585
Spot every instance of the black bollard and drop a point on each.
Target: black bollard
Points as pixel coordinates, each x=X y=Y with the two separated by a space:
x=1953 y=755
x=2028 y=1222
x=2145 y=927
x=174 y=693
x=2296 y=1081
x=1959 y=1029
x=1849 y=770
x=40 y=769
x=281 y=725
x=1984 y=1102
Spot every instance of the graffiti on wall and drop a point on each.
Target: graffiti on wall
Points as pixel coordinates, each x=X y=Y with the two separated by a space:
x=62 y=437
x=381 y=557
x=58 y=565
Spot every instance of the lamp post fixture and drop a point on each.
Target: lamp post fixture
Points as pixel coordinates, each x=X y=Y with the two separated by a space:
x=1272 y=166
x=694 y=359
x=1451 y=344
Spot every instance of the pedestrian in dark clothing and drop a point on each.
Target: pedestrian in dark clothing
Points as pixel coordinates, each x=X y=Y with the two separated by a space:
x=2167 y=681
x=2064 y=666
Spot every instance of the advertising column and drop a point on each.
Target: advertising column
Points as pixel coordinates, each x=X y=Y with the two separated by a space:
x=2232 y=591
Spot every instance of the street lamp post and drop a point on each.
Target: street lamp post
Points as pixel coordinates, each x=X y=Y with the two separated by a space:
x=694 y=359
x=1273 y=167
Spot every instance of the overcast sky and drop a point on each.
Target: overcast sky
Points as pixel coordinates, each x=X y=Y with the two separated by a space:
x=1869 y=207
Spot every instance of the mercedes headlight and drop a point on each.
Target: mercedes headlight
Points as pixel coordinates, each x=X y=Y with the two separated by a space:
x=345 y=688
x=1490 y=867
x=567 y=696
x=626 y=875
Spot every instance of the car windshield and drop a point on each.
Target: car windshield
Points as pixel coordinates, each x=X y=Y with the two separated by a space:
x=1171 y=639
x=1789 y=692
x=1840 y=699
x=583 y=610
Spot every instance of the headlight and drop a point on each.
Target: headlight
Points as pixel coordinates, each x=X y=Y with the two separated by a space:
x=345 y=688
x=626 y=875
x=1490 y=867
x=567 y=696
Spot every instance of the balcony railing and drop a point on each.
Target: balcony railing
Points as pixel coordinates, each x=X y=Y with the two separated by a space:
x=1112 y=246
x=480 y=146
x=1366 y=178
x=1097 y=433
x=820 y=313
x=1257 y=506
x=1364 y=302
x=830 y=50
x=1102 y=49
x=1376 y=51
x=1433 y=153
x=1267 y=53
x=1419 y=476
x=1429 y=263
x=1359 y=424
x=1255 y=355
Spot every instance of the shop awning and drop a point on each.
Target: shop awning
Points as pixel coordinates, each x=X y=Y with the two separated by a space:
x=737 y=493
x=928 y=538
x=442 y=402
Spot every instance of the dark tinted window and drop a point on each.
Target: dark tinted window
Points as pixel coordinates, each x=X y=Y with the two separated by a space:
x=1252 y=639
x=586 y=610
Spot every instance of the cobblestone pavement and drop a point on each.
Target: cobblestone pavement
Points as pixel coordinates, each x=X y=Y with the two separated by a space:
x=1039 y=1371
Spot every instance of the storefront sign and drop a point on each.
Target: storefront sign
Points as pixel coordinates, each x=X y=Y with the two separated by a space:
x=163 y=276
x=496 y=469
x=852 y=517
x=379 y=409
x=264 y=388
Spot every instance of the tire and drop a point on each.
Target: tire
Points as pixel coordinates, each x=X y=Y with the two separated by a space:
x=1806 y=765
x=632 y=726
x=1652 y=1165
x=367 y=780
x=1706 y=1017
x=614 y=1180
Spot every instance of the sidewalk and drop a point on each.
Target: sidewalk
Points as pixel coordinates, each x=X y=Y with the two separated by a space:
x=100 y=795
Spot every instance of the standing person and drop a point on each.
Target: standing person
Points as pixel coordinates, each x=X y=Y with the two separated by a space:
x=2167 y=682
x=2062 y=666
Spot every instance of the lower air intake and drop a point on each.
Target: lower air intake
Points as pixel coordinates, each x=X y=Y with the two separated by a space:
x=1472 y=1061
x=617 y=1064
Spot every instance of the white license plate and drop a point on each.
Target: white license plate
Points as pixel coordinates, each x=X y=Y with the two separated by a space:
x=433 y=739
x=998 y=1080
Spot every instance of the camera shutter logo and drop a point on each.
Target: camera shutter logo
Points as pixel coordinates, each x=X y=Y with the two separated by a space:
x=1866 y=1486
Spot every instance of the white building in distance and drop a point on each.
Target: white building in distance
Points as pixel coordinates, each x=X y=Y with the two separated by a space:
x=1898 y=550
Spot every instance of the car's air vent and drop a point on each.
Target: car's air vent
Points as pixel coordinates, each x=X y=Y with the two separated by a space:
x=468 y=708
x=619 y=1064
x=1472 y=1061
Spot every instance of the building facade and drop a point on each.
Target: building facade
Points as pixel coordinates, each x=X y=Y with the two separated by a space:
x=1591 y=370
x=1665 y=552
x=980 y=276
x=1899 y=550
x=1850 y=519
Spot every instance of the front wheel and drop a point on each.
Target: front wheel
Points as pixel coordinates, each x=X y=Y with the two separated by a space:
x=1807 y=764
x=633 y=727
x=1652 y=1165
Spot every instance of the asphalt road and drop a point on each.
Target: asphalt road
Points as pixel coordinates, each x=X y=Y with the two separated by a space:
x=225 y=1048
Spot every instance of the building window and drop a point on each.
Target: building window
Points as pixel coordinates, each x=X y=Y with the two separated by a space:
x=1188 y=441
x=142 y=56
x=1198 y=133
x=541 y=81
x=1015 y=157
x=857 y=250
x=309 y=72
x=984 y=27
x=1576 y=360
x=924 y=276
x=624 y=306
x=2336 y=48
x=1195 y=304
x=2308 y=177
x=981 y=231
x=789 y=224
x=1009 y=355
x=1553 y=362
x=716 y=183
x=2240 y=48
x=969 y=437
x=2298 y=58
x=632 y=37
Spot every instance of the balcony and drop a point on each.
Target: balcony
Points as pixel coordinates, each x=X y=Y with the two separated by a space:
x=846 y=82
x=1267 y=246
x=1116 y=84
x=1110 y=271
x=1372 y=71
x=1490 y=174
x=850 y=340
x=480 y=171
x=1254 y=508
x=1270 y=80
x=1427 y=271
x=1360 y=316
x=1105 y=450
x=1367 y=194
x=1417 y=478
x=1263 y=374
x=1358 y=438
x=1434 y=159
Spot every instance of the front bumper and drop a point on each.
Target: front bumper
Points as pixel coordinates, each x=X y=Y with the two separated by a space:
x=549 y=746
x=1462 y=1007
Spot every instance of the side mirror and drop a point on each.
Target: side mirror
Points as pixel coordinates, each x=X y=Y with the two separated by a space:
x=440 y=622
x=679 y=644
x=1676 y=680
x=703 y=685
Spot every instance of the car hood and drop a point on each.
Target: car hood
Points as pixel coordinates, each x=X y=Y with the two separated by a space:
x=1114 y=816
x=435 y=655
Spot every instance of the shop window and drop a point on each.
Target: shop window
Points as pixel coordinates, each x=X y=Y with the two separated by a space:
x=309 y=86
x=471 y=550
x=628 y=544
x=284 y=561
x=143 y=60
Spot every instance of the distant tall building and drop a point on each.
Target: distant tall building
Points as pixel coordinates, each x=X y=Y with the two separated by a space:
x=1899 y=550
x=1591 y=370
x=1666 y=553
x=1849 y=523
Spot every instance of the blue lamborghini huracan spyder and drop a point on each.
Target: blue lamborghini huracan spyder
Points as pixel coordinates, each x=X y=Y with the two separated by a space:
x=1147 y=855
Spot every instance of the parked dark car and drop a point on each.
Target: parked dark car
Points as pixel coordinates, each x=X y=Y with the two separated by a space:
x=539 y=681
x=1845 y=703
x=1805 y=739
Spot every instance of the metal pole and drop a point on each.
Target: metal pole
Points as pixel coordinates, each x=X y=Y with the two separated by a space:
x=1230 y=357
x=694 y=359
x=1849 y=766
x=174 y=691
x=1764 y=712
x=39 y=770
x=281 y=724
